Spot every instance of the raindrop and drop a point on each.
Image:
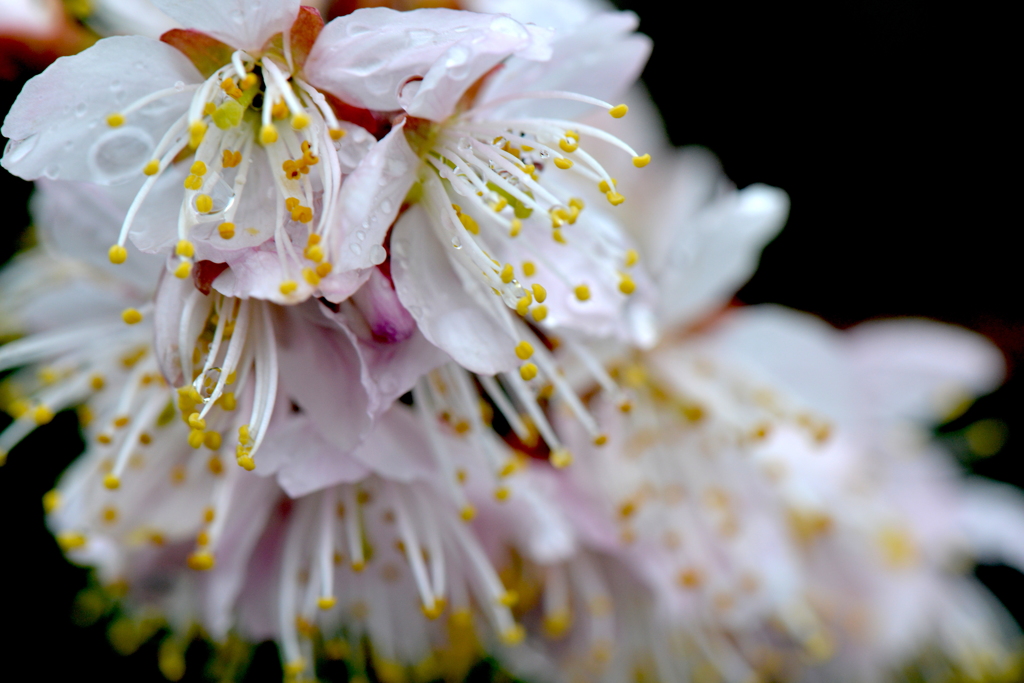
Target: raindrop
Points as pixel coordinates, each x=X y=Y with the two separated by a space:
x=80 y=109
x=52 y=171
x=356 y=249
x=377 y=254
x=385 y=206
x=360 y=235
x=179 y=85
x=119 y=154
x=17 y=150
x=457 y=243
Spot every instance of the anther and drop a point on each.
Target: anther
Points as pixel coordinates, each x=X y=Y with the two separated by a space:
x=515 y=228
x=600 y=439
x=42 y=414
x=183 y=270
x=51 y=500
x=614 y=198
x=563 y=163
x=300 y=121
x=507 y=273
x=115 y=120
x=204 y=203
x=568 y=146
x=131 y=316
x=561 y=458
x=195 y=438
x=196 y=422
x=196 y=131
x=618 y=111
x=226 y=230
x=582 y=292
x=468 y=512
x=327 y=602
x=111 y=482
x=626 y=284
x=469 y=224
x=323 y=269
x=631 y=257
x=117 y=254
x=315 y=252
x=509 y=598
x=524 y=350
x=642 y=161
x=527 y=371
x=268 y=134
x=502 y=493
x=337 y=133
x=201 y=561
x=288 y=286
x=247 y=463
x=310 y=276
x=185 y=249
x=539 y=293
x=198 y=168
x=151 y=167
x=523 y=305
x=249 y=81
x=539 y=312
x=605 y=187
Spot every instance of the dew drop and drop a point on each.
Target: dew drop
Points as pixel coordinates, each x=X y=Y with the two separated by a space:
x=118 y=154
x=377 y=254
x=386 y=206
x=80 y=109
x=179 y=86
x=52 y=171
x=356 y=249
x=457 y=243
x=17 y=150
x=360 y=235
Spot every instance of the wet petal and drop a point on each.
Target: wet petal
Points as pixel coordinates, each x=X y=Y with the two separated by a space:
x=304 y=460
x=57 y=126
x=240 y=23
x=447 y=314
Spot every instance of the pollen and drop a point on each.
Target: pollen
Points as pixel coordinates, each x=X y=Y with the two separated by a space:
x=115 y=120
x=268 y=134
x=196 y=422
x=117 y=254
x=131 y=316
x=618 y=111
x=327 y=602
x=151 y=167
x=226 y=230
x=185 y=248
x=605 y=187
x=626 y=284
x=469 y=224
x=183 y=270
x=513 y=635
x=563 y=163
x=323 y=269
x=582 y=292
x=642 y=161
x=204 y=203
x=310 y=276
x=198 y=168
x=529 y=268
x=247 y=463
x=524 y=350
x=516 y=228
x=300 y=120
x=231 y=159
x=568 y=145
x=249 y=81
x=539 y=293
x=337 y=133
x=614 y=198
x=196 y=132
x=539 y=313
x=523 y=305
x=561 y=458
x=201 y=561
x=631 y=257
x=507 y=273
x=51 y=500
x=468 y=512
x=527 y=371
x=288 y=287
x=112 y=482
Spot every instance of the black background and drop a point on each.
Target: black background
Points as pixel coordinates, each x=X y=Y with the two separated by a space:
x=888 y=124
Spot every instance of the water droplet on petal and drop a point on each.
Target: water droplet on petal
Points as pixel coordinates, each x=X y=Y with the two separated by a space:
x=386 y=206
x=360 y=235
x=356 y=249
x=377 y=254
x=119 y=154
x=52 y=171
x=17 y=150
x=80 y=109
x=457 y=243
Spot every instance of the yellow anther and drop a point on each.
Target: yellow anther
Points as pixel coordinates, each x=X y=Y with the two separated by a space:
x=515 y=228
x=561 y=458
x=605 y=187
x=600 y=439
x=435 y=610
x=117 y=254
x=529 y=169
x=288 y=286
x=212 y=440
x=226 y=230
x=183 y=270
x=196 y=131
x=626 y=284
x=193 y=182
x=268 y=134
x=358 y=565
x=249 y=81
x=131 y=316
x=539 y=293
x=563 y=163
x=198 y=168
x=499 y=205
x=202 y=538
x=227 y=401
x=507 y=273
x=195 y=438
x=204 y=203
x=642 y=161
x=468 y=512
x=509 y=598
x=502 y=493
x=327 y=602
x=557 y=236
x=337 y=133
x=111 y=481
x=315 y=253
x=121 y=421
x=104 y=439
x=51 y=500
x=279 y=110
x=323 y=269
x=582 y=292
x=151 y=167
x=185 y=248
x=196 y=422
x=469 y=224
x=527 y=371
x=523 y=305
x=576 y=203
x=291 y=203
x=529 y=268
x=310 y=276
x=209 y=108
x=513 y=635
x=70 y=540
x=539 y=312
x=524 y=350
x=243 y=434
x=618 y=111
x=231 y=159
x=614 y=198
x=42 y=414
x=631 y=258
x=300 y=120
x=201 y=561
x=247 y=463
x=115 y=120
x=568 y=146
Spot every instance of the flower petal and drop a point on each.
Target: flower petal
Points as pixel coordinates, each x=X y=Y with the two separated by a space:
x=447 y=314
x=370 y=199
x=303 y=459
x=57 y=126
x=397 y=448
x=242 y=24
x=368 y=57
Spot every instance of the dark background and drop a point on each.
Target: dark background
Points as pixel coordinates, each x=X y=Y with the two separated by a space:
x=888 y=124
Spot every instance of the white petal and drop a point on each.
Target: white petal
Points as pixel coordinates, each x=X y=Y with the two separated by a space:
x=57 y=126
x=920 y=369
x=369 y=56
x=446 y=313
x=242 y=24
x=303 y=460
x=128 y=17
x=370 y=199
x=397 y=448
x=82 y=221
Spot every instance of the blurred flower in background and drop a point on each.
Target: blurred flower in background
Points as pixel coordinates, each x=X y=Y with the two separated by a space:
x=714 y=492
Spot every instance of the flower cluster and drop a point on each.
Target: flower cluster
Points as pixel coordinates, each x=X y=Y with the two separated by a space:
x=389 y=347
